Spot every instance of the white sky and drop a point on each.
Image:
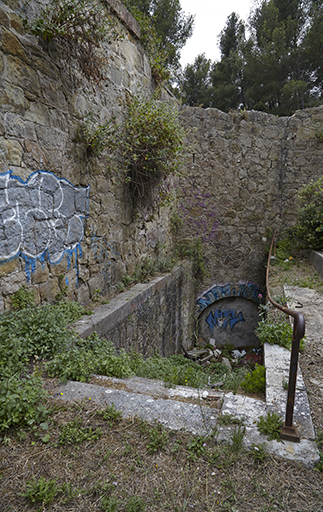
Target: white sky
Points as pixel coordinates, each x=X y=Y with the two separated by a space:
x=210 y=19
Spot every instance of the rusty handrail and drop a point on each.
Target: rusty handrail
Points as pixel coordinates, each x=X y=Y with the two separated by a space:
x=289 y=431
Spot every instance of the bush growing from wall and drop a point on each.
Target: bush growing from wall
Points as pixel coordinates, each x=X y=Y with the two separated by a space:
x=147 y=146
x=79 y=27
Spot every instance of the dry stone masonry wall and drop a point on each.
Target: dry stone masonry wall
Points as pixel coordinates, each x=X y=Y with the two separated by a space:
x=247 y=168
x=65 y=220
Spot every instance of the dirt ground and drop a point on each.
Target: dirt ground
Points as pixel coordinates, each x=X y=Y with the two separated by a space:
x=85 y=462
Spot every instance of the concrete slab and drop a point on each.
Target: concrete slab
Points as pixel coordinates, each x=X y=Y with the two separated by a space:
x=172 y=414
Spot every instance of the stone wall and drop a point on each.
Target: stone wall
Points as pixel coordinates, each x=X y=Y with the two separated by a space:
x=245 y=170
x=65 y=220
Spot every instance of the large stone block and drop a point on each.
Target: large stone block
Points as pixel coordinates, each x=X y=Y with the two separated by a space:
x=12 y=98
x=37 y=113
x=11 y=44
x=19 y=73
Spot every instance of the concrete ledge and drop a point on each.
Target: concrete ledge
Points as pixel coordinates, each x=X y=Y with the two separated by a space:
x=108 y=316
x=149 y=317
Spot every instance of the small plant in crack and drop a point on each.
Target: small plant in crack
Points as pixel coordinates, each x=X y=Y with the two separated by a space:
x=270 y=426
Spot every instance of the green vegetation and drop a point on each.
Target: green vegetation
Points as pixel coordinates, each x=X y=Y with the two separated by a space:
x=73 y=433
x=196 y=447
x=275 y=333
x=165 y=28
x=270 y=426
x=148 y=146
x=158 y=438
x=319 y=442
x=30 y=334
x=308 y=232
x=259 y=452
x=236 y=438
x=79 y=27
x=23 y=298
x=255 y=382
x=275 y=67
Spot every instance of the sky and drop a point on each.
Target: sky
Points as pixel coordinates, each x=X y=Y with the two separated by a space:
x=210 y=19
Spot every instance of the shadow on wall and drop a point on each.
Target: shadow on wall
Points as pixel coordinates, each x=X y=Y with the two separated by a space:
x=229 y=314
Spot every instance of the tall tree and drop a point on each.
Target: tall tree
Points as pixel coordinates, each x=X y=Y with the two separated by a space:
x=227 y=75
x=172 y=25
x=279 y=69
x=195 y=82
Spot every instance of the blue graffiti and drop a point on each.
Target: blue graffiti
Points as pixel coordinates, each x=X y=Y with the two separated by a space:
x=104 y=253
x=224 y=318
x=41 y=218
x=247 y=290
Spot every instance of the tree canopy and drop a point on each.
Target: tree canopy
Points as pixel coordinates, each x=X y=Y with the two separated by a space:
x=172 y=26
x=278 y=68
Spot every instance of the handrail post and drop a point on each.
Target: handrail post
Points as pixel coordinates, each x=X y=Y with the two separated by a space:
x=288 y=430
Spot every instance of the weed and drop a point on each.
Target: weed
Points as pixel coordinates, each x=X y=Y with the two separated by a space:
x=158 y=438
x=308 y=232
x=73 y=433
x=319 y=135
x=259 y=452
x=196 y=447
x=135 y=504
x=110 y=414
x=229 y=419
x=41 y=490
x=285 y=384
x=79 y=27
x=270 y=426
x=109 y=503
x=319 y=442
x=22 y=401
x=236 y=437
x=275 y=333
x=255 y=382
x=97 y=137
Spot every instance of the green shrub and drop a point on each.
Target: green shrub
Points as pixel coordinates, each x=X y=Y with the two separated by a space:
x=150 y=145
x=23 y=298
x=309 y=229
x=39 y=332
x=275 y=333
x=22 y=401
x=255 y=382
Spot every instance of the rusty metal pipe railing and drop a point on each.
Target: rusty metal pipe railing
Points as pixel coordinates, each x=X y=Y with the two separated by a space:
x=289 y=431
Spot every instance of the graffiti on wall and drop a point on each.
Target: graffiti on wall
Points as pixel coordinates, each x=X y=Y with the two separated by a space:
x=247 y=290
x=41 y=218
x=224 y=318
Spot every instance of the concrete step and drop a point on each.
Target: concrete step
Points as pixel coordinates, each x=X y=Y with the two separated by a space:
x=198 y=411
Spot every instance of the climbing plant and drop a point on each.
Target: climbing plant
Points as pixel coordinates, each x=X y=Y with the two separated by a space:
x=79 y=27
